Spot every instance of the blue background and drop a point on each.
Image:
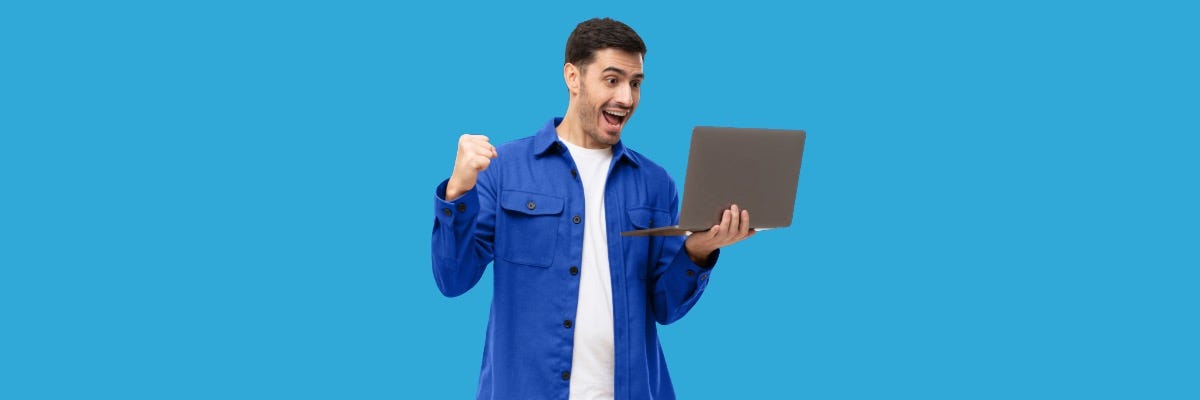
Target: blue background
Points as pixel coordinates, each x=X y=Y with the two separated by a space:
x=232 y=200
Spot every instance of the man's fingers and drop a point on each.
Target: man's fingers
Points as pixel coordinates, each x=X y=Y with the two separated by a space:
x=708 y=233
x=745 y=223
x=479 y=163
x=471 y=150
x=469 y=141
x=735 y=220
x=475 y=154
x=489 y=151
x=723 y=233
x=733 y=228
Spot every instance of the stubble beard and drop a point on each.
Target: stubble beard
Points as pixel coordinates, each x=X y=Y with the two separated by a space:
x=589 y=116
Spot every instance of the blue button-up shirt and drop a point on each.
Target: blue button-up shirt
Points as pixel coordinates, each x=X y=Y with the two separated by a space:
x=526 y=214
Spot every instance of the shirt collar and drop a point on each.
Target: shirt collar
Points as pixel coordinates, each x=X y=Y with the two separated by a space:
x=546 y=141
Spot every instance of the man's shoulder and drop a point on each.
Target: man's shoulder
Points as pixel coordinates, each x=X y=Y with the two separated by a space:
x=517 y=145
x=648 y=166
x=514 y=156
x=528 y=145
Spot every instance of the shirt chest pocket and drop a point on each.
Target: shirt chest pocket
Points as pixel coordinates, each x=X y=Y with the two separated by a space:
x=528 y=229
x=643 y=252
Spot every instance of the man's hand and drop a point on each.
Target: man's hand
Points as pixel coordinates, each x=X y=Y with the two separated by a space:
x=475 y=154
x=734 y=227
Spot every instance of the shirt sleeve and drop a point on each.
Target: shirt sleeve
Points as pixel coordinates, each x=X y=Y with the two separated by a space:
x=678 y=281
x=463 y=234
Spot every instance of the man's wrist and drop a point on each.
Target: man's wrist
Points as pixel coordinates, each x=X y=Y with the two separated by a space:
x=455 y=189
x=698 y=256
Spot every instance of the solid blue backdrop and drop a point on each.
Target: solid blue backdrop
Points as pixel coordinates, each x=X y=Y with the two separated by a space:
x=231 y=200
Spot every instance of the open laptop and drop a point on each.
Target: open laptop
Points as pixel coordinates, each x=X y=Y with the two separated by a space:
x=757 y=169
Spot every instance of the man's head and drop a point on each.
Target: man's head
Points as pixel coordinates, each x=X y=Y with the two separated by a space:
x=603 y=73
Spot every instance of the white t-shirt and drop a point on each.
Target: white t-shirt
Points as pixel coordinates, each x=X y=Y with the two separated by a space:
x=592 y=362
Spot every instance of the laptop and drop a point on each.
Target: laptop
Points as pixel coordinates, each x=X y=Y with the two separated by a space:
x=757 y=169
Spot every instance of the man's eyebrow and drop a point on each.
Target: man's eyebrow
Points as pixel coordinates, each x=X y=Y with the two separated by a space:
x=622 y=72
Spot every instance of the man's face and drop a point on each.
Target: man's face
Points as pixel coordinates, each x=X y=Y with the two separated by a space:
x=609 y=88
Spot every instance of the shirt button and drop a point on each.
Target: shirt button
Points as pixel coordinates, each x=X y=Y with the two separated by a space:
x=462 y=207
x=566 y=375
x=447 y=211
x=574 y=174
x=574 y=270
x=691 y=273
x=530 y=205
x=567 y=324
x=576 y=219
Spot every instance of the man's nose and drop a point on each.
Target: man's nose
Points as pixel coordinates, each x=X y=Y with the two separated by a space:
x=624 y=96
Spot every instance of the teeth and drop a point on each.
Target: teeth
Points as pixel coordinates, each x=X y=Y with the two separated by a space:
x=617 y=113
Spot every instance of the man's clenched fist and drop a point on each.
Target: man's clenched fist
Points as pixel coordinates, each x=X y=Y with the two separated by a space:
x=474 y=156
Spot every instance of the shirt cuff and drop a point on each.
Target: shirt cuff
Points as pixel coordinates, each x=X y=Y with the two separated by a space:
x=464 y=208
x=686 y=272
x=709 y=262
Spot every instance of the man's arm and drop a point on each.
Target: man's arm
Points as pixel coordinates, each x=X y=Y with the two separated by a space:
x=464 y=218
x=682 y=269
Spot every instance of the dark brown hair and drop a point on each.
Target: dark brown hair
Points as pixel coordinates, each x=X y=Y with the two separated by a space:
x=598 y=34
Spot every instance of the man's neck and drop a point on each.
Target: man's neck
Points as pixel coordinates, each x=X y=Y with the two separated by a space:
x=569 y=131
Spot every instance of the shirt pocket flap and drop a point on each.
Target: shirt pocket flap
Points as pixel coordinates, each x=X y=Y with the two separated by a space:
x=646 y=218
x=530 y=203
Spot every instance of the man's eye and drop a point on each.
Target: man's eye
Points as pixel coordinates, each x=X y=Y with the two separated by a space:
x=611 y=81
x=637 y=84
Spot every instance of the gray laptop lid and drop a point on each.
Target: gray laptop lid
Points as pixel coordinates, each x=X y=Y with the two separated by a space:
x=757 y=169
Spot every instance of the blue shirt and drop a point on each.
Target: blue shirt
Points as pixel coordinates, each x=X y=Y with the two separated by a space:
x=526 y=214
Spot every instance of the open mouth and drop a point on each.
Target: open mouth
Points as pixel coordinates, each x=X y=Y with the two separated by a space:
x=615 y=118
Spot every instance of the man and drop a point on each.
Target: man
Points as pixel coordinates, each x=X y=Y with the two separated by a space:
x=575 y=303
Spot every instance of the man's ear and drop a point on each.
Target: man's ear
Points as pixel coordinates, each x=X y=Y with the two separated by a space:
x=571 y=75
